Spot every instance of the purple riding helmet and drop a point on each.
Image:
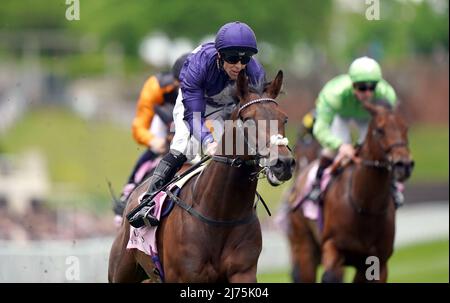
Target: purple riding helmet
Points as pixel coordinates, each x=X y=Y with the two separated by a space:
x=236 y=36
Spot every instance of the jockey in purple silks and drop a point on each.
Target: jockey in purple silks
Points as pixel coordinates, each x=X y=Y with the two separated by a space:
x=151 y=126
x=206 y=76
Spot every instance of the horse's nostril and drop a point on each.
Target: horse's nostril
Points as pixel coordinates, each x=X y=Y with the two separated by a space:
x=405 y=164
x=287 y=162
x=399 y=164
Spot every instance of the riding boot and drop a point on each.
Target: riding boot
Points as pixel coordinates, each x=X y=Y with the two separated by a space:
x=163 y=174
x=316 y=191
x=397 y=194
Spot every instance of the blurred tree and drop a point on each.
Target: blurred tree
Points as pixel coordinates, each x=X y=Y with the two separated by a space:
x=30 y=14
x=331 y=27
x=282 y=22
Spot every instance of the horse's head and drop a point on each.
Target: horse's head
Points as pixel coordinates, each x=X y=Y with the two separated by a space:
x=258 y=111
x=388 y=139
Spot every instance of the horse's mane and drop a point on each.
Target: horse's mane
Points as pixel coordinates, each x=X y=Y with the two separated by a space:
x=257 y=88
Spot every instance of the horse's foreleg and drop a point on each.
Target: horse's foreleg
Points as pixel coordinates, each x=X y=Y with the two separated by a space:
x=305 y=263
x=383 y=272
x=248 y=276
x=123 y=267
x=305 y=251
x=360 y=275
x=333 y=263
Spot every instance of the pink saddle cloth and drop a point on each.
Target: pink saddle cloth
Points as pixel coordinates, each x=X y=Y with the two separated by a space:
x=311 y=209
x=144 y=238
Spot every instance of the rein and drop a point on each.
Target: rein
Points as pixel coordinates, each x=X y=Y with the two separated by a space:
x=387 y=165
x=193 y=212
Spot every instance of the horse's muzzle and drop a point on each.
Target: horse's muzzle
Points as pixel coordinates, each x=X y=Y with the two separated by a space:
x=284 y=168
x=402 y=170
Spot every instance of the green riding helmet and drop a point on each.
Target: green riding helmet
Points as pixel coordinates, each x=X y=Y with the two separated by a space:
x=365 y=69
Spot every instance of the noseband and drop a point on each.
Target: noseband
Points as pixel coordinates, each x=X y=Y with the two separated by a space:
x=387 y=164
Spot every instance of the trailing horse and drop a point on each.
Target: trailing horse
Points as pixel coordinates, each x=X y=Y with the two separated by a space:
x=358 y=216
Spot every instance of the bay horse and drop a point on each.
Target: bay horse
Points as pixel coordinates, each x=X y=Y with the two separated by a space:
x=358 y=210
x=223 y=246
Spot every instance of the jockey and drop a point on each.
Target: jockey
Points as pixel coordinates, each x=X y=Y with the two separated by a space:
x=307 y=124
x=158 y=95
x=207 y=74
x=338 y=105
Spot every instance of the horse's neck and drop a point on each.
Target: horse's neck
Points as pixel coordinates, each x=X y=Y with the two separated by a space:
x=226 y=192
x=370 y=185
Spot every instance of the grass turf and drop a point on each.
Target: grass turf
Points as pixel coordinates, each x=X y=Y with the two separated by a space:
x=418 y=263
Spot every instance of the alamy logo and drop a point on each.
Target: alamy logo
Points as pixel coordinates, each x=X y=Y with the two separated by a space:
x=73 y=10
x=373 y=10
x=73 y=269
x=373 y=271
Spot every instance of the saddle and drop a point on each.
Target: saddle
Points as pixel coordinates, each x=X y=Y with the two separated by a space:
x=144 y=238
x=313 y=210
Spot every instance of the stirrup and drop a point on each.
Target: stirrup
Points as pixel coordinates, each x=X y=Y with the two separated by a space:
x=314 y=194
x=149 y=219
x=143 y=217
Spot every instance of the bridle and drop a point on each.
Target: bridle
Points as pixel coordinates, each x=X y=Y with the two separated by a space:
x=386 y=164
x=275 y=140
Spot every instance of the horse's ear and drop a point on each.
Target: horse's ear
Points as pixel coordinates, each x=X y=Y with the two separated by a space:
x=242 y=86
x=274 y=88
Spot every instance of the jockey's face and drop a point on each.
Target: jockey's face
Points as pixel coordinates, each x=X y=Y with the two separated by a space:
x=233 y=70
x=363 y=96
x=364 y=92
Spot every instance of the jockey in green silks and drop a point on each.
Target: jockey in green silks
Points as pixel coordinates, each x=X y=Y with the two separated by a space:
x=339 y=105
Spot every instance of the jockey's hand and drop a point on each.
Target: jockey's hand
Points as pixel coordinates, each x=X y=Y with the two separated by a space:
x=158 y=145
x=346 y=152
x=211 y=148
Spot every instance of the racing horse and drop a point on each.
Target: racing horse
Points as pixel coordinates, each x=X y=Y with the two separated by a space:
x=219 y=239
x=358 y=216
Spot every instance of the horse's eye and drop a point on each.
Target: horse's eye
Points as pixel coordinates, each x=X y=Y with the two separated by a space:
x=286 y=121
x=380 y=131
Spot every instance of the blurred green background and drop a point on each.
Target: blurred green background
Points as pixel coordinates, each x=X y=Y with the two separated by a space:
x=92 y=152
x=68 y=89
